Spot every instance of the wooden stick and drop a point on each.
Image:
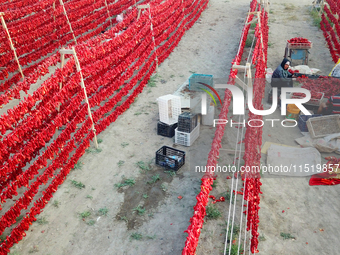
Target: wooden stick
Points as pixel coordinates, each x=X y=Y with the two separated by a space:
x=259 y=21
x=108 y=13
x=249 y=75
x=68 y=21
x=11 y=43
x=62 y=60
x=145 y=6
x=153 y=39
x=86 y=99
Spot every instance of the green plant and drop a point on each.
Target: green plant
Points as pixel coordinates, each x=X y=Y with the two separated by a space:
x=85 y=214
x=151 y=237
x=170 y=173
x=212 y=212
x=271 y=11
x=192 y=71
x=150 y=215
x=253 y=25
x=154 y=179
x=56 y=203
x=286 y=236
x=270 y=44
x=234 y=249
x=99 y=140
x=145 y=196
x=163 y=187
x=136 y=236
x=172 y=76
x=316 y=18
x=152 y=81
x=126 y=182
x=124 y=144
x=79 y=165
x=262 y=238
x=103 y=211
x=120 y=163
x=214 y=185
x=123 y=218
x=42 y=221
x=143 y=166
x=249 y=41
x=78 y=185
x=19 y=218
x=90 y=222
x=139 y=210
x=138 y=113
x=91 y=150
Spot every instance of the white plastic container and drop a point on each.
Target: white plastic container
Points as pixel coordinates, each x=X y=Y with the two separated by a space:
x=169 y=108
x=187 y=139
x=208 y=119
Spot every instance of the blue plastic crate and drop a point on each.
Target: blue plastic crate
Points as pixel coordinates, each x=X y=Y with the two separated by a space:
x=195 y=78
x=302 y=123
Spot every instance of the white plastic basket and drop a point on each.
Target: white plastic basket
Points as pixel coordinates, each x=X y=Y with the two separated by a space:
x=169 y=108
x=187 y=139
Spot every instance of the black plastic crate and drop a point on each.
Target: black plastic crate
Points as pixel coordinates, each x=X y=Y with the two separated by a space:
x=165 y=129
x=187 y=122
x=302 y=123
x=170 y=158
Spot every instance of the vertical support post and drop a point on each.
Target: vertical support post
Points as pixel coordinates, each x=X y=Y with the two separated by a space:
x=62 y=61
x=250 y=82
x=11 y=44
x=261 y=35
x=68 y=21
x=153 y=39
x=145 y=6
x=86 y=99
x=108 y=13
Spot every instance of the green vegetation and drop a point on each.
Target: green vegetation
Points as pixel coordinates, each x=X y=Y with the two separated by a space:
x=85 y=214
x=91 y=222
x=91 y=150
x=249 y=41
x=143 y=166
x=136 y=236
x=286 y=236
x=78 y=185
x=126 y=182
x=154 y=179
x=212 y=212
x=77 y=166
x=42 y=221
x=120 y=163
x=139 y=210
x=124 y=144
x=316 y=17
x=103 y=211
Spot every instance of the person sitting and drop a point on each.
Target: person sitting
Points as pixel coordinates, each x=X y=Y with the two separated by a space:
x=281 y=78
x=332 y=106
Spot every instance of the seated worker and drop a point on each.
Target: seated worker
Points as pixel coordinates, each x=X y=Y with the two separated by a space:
x=281 y=78
x=332 y=106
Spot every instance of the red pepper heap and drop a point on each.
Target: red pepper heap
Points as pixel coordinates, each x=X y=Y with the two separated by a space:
x=329 y=174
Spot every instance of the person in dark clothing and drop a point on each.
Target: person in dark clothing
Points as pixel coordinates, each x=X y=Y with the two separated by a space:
x=281 y=78
x=332 y=106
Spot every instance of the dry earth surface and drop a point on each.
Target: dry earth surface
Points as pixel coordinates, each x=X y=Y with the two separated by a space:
x=103 y=219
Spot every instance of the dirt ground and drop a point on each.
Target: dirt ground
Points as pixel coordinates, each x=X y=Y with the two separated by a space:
x=148 y=217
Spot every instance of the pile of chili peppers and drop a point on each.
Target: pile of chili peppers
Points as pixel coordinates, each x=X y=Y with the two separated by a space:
x=109 y=63
x=330 y=175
